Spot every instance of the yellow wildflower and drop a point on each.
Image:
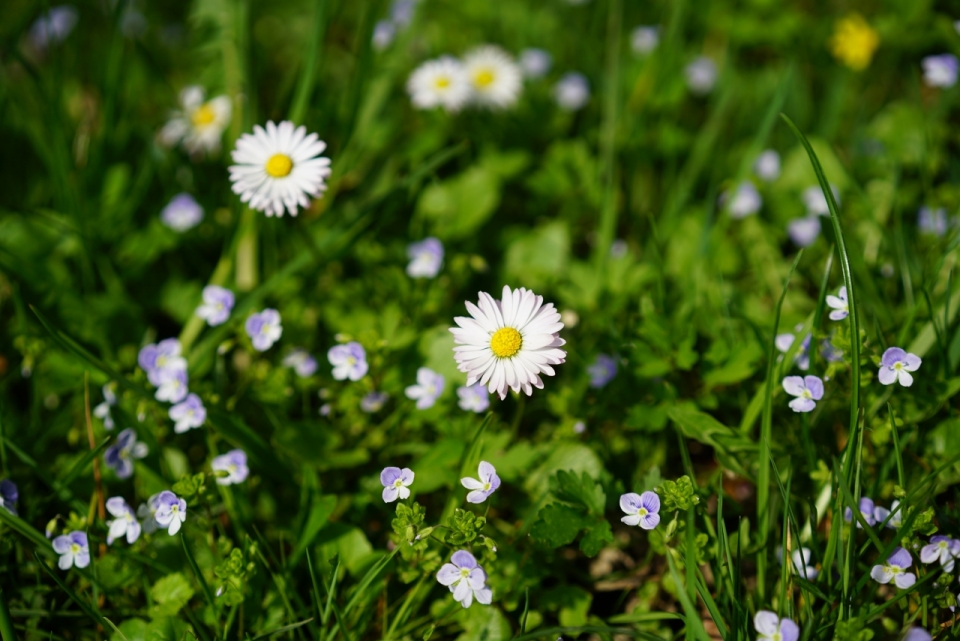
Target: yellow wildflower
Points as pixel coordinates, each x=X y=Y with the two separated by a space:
x=854 y=42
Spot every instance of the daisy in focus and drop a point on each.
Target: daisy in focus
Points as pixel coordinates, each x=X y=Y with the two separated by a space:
x=199 y=124
x=508 y=344
x=277 y=168
x=439 y=83
x=854 y=42
x=495 y=78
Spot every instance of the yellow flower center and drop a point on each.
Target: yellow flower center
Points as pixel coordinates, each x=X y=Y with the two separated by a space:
x=486 y=487
x=398 y=483
x=894 y=569
x=854 y=42
x=279 y=165
x=506 y=342
x=642 y=511
x=898 y=366
x=203 y=116
x=442 y=82
x=464 y=572
x=75 y=549
x=483 y=78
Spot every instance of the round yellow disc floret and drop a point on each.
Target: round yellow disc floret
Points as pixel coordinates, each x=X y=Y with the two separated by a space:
x=203 y=116
x=279 y=165
x=506 y=342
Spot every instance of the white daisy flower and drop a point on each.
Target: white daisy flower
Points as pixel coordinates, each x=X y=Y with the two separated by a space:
x=439 y=83
x=496 y=79
x=509 y=343
x=200 y=123
x=278 y=167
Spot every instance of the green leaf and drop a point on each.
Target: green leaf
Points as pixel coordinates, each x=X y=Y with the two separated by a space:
x=582 y=489
x=170 y=594
x=319 y=515
x=459 y=206
x=598 y=535
x=558 y=525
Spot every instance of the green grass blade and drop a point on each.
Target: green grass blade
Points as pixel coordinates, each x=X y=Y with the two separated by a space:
x=89 y=610
x=292 y=626
x=6 y=623
x=207 y=593
x=309 y=73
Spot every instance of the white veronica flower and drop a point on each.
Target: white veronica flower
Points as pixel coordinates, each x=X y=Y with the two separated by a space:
x=439 y=83
x=200 y=123
x=496 y=79
x=279 y=167
x=509 y=343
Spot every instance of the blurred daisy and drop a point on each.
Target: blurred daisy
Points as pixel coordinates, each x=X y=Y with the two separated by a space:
x=535 y=63
x=278 y=168
x=572 y=92
x=233 y=464
x=301 y=362
x=816 y=202
x=426 y=257
x=701 y=75
x=264 y=329
x=487 y=484
x=496 y=80
x=396 y=483
x=804 y=231
x=474 y=398
x=189 y=414
x=53 y=27
x=439 y=83
x=745 y=200
x=932 y=221
x=349 y=361
x=200 y=123
x=644 y=39
x=373 y=402
x=182 y=213
x=428 y=389
x=73 y=550
x=839 y=305
x=125 y=522
x=217 y=305
x=509 y=343
x=940 y=71
x=854 y=42
x=767 y=165
x=896 y=365
x=807 y=389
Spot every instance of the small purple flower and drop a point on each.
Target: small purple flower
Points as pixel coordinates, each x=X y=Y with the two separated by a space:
x=426 y=258
x=487 y=485
x=173 y=385
x=767 y=165
x=9 y=496
x=474 y=398
x=325 y=409
x=428 y=389
x=943 y=549
x=535 y=62
x=234 y=463
x=807 y=389
x=829 y=352
x=804 y=231
x=770 y=627
x=940 y=71
x=373 y=402
x=917 y=634
x=53 y=27
x=644 y=39
x=895 y=569
x=349 y=361
x=896 y=365
x=171 y=511
x=383 y=34
x=816 y=202
x=182 y=213
x=302 y=363
x=641 y=509
x=396 y=483
x=159 y=358
x=867 y=509
x=466 y=579
x=895 y=516
x=217 y=304
x=839 y=305
x=121 y=454
x=102 y=411
x=602 y=371
x=579 y=427
x=401 y=12
x=147 y=512
x=783 y=343
x=701 y=76
x=73 y=550
x=264 y=329
x=188 y=414
x=572 y=91
x=801 y=558
x=125 y=523
x=932 y=221
x=744 y=201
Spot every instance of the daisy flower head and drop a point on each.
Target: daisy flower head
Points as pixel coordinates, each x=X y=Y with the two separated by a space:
x=867 y=510
x=396 y=483
x=349 y=361
x=189 y=414
x=474 y=398
x=217 y=305
x=234 y=466
x=940 y=71
x=508 y=344
x=171 y=512
x=495 y=78
x=428 y=389
x=120 y=455
x=771 y=627
x=839 y=305
x=854 y=42
x=896 y=365
x=535 y=63
x=73 y=550
x=572 y=91
x=641 y=509
x=199 y=124
x=426 y=258
x=767 y=165
x=644 y=39
x=745 y=200
x=485 y=486
x=807 y=389
x=701 y=76
x=439 y=83
x=373 y=402
x=943 y=549
x=9 y=496
x=124 y=524
x=277 y=168
x=932 y=221
x=264 y=329
x=895 y=570
x=466 y=579
x=804 y=231
x=301 y=362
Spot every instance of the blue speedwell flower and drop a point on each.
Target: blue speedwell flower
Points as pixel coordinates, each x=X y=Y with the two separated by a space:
x=125 y=523
x=932 y=221
x=644 y=39
x=147 y=513
x=473 y=398
x=234 y=463
x=896 y=365
x=701 y=76
x=121 y=454
x=801 y=558
x=302 y=362
x=941 y=70
x=466 y=579
x=349 y=361
x=895 y=570
x=767 y=165
x=171 y=512
x=264 y=329
x=943 y=549
x=771 y=627
x=73 y=550
x=9 y=496
x=53 y=27
x=535 y=63
x=217 y=304
x=641 y=509
x=485 y=486
x=161 y=358
x=917 y=634
x=895 y=516
x=602 y=371
x=867 y=509
x=102 y=411
x=373 y=402
x=188 y=414
x=173 y=386
x=182 y=213
x=784 y=341
x=396 y=483
x=839 y=305
x=572 y=91
x=807 y=389
x=744 y=201
x=426 y=258
x=428 y=389
x=804 y=231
